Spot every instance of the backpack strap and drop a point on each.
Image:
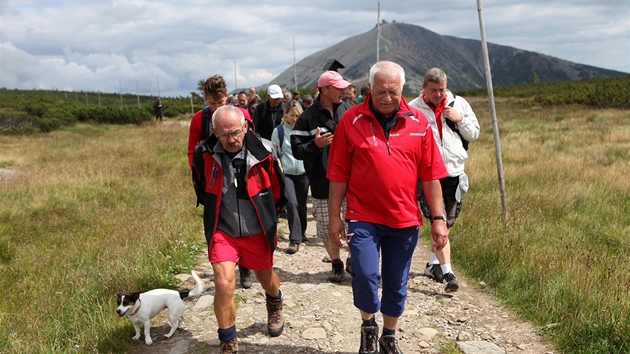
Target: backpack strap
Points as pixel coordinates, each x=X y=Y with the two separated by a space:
x=454 y=128
x=280 y=134
x=205 y=123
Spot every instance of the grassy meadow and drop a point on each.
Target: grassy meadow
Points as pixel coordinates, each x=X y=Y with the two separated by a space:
x=97 y=209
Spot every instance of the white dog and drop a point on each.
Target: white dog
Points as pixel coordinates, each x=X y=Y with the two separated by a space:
x=141 y=307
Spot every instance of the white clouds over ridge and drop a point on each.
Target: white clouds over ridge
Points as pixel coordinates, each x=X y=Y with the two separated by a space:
x=107 y=45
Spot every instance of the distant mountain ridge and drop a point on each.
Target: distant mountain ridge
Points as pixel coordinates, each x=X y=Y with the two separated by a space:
x=414 y=48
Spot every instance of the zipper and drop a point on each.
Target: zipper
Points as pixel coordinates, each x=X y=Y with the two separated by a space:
x=389 y=150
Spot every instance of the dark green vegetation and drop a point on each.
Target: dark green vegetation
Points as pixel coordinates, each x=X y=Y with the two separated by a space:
x=33 y=111
x=601 y=93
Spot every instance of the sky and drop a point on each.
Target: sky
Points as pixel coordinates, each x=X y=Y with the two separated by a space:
x=165 y=47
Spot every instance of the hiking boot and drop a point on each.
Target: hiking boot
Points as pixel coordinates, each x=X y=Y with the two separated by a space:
x=369 y=338
x=337 y=271
x=247 y=279
x=434 y=271
x=275 y=320
x=451 y=283
x=293 y=248
x=349 y=264
x=389 y=344
x=230 y=346
x=305 y=239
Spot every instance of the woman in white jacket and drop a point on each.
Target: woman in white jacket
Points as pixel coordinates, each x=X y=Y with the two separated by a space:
x=454 y=124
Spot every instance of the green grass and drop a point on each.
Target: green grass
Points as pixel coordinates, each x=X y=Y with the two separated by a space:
x=100 y=209
x=562 y=258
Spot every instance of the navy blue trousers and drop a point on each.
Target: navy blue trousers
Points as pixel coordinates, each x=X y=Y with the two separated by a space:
x=372 y=245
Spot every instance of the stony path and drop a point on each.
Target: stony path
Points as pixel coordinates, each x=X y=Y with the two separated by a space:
x=321 y=318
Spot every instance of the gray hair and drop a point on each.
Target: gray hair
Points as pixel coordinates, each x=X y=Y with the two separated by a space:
x=387 y=68
x=435 y=75
x=225 y=109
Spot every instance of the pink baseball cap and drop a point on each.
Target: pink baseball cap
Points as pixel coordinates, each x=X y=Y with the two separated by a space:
x=332 y=78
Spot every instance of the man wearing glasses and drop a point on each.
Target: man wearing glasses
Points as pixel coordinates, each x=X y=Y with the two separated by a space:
x=215 y=94
x=244 y=191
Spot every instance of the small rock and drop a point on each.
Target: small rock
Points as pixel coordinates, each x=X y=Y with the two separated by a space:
x=479 y=347
x=314 y=333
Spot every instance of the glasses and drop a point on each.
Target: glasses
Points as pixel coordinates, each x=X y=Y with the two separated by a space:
x=235 y=134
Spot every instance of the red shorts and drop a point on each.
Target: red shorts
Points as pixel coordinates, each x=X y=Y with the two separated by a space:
x=250 y=251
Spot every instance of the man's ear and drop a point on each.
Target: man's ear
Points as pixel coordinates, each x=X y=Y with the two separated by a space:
x=246 y=125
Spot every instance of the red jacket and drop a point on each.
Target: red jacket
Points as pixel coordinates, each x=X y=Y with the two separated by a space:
x=382 y=173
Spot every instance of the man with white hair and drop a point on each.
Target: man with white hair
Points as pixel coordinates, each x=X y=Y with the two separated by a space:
x=381 y=147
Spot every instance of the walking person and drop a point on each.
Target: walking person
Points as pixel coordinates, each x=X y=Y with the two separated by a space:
x=243 y=193
x=215 y=94
x=157 y=106
x=295 y=180
x=454 y=124
x=390 y=142
x=268 y=114
x=310 y=142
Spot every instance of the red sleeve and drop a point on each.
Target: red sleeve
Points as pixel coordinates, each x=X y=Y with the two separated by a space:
x=194 y=135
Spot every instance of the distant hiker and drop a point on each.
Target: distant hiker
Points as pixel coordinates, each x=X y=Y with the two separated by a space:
x=157 y=106
x=268 y=115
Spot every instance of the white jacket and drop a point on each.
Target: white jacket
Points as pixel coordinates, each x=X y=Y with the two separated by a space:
x=450 y=145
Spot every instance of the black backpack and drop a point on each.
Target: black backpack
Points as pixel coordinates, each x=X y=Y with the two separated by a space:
x=454 y=128
x=204 y=146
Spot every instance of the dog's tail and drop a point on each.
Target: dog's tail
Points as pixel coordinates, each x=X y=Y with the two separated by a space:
x=198 y=290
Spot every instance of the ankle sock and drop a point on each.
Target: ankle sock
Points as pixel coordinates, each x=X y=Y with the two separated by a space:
x=446 y=268
x=227 y=334
x=433 y=259
x=389 y=332
x=269 y=297
x=369 y=323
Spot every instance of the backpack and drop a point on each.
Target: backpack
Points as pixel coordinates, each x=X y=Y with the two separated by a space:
x=203 y=146
x=454 y=128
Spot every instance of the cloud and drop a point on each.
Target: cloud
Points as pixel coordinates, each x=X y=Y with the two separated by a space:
x=168 y=46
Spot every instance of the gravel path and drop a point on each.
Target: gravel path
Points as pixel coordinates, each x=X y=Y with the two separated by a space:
x=320 y=316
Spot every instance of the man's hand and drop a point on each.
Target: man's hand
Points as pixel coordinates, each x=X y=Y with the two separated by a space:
x=337 y=231
x=439 y=234
x=323 y=140
x=451 y=114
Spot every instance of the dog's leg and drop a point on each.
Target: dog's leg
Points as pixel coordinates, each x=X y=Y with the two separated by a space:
x=173 y=319
x=136 y=326
x=147 y=333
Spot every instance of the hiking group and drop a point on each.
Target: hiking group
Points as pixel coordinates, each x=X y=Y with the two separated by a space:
x=373 y=165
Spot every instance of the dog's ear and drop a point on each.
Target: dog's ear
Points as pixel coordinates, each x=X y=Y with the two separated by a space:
x=133 y=296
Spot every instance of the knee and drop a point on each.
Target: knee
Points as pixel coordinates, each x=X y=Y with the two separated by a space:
x=224 y=285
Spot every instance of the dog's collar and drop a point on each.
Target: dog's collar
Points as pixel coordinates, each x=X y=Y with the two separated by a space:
x=137 y=308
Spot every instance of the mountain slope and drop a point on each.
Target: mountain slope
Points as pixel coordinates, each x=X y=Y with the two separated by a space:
x=414 y=48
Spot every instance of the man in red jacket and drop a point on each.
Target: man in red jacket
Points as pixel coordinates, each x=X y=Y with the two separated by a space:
x=244 y=191
x=215 y=94
x=381 y=147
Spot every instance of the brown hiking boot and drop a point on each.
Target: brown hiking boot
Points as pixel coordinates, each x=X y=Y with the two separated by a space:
x=275 y=320
x=230 y=346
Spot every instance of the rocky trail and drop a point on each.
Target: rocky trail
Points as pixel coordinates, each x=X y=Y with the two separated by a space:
x=320 y=316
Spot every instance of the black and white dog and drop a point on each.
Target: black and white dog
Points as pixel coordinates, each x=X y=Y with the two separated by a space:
x=141 y=307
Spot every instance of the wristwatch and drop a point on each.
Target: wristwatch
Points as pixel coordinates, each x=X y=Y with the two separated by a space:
x=439 y=217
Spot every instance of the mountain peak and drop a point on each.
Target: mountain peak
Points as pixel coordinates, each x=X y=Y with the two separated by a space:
x=418 y=49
